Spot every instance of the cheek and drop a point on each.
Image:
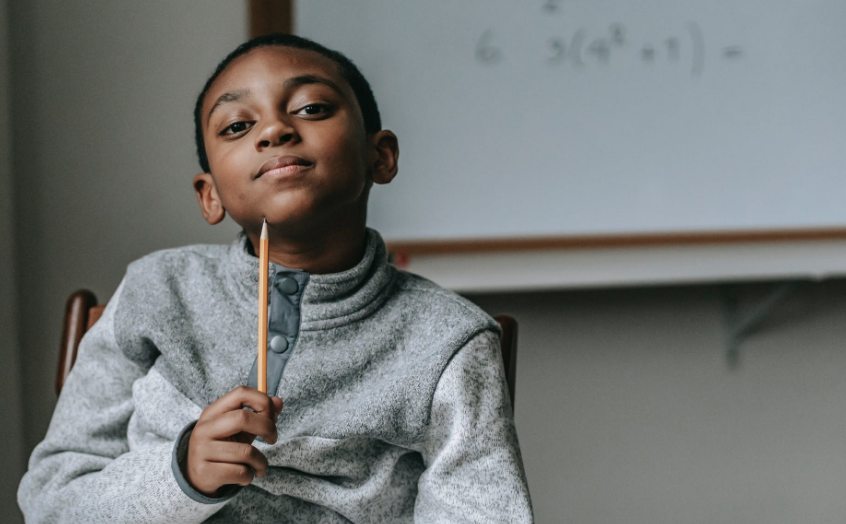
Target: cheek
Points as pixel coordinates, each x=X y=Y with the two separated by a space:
x=345 y=152
x=225 y=157
x=227 y=168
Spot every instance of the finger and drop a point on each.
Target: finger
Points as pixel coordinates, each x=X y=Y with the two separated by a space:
x=236 y=453
x=225 y=473
x=241 y=420
x=243 y=438
x=277 y=406
x=238 y=398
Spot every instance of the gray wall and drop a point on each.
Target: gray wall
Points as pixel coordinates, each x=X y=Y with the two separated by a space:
x=12 y=457
x=103 y=97
x=626 y=410
x=104 y=153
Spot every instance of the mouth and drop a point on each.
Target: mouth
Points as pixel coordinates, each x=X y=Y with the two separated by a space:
x=283 y=165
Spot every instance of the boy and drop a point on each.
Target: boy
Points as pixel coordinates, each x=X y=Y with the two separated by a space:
x=395 y=407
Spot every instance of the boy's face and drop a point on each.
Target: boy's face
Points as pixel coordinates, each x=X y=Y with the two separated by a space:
x=285 y=140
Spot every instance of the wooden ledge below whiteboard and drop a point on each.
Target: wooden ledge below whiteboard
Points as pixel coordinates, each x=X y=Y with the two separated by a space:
x=528 y=264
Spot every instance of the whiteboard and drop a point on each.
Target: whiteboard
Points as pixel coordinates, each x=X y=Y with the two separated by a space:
x=597 y=117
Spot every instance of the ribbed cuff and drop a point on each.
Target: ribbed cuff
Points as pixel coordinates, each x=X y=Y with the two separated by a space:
x=180 y=454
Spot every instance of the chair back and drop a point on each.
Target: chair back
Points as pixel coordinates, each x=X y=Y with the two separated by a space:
x=82 y=312
x=508 y=346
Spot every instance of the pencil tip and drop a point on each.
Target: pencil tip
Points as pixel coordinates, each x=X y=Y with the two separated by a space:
x=264 y=230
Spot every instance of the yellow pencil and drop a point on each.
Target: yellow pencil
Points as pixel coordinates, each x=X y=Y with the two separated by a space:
x=262 y=310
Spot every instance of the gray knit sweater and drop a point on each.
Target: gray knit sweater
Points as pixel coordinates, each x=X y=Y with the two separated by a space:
x=396 y=409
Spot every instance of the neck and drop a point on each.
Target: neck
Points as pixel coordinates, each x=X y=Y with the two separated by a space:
x=332 y=250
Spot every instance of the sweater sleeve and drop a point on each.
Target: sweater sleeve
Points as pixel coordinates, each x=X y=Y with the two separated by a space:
x=474 y=472
x=84 y=470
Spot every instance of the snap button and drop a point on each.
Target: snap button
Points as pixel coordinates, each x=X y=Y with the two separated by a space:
x=288 y=285
x=278 y=344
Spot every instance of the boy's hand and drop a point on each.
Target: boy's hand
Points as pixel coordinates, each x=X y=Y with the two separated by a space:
x=220 y=450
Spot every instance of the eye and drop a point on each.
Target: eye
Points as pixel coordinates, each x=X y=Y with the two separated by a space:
x=313 y=110
x=236 y=128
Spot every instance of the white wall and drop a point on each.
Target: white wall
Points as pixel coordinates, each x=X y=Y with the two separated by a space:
x=104 y=153
x=622 y=146
x=12 y=458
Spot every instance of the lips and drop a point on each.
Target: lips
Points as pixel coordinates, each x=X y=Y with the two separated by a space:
x=281 y=162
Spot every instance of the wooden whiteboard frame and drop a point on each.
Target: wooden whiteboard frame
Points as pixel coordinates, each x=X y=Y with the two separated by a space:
x=605 y=260
x=568 y=263
x=530 y=243
x=271 y=16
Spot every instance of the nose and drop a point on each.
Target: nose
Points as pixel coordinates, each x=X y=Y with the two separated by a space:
x=275 y=133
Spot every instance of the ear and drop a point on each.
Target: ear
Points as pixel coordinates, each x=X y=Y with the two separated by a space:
x=383 y=165
x=209 y=200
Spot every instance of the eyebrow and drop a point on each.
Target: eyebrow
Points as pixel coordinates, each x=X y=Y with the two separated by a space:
x=302 y=80
x=291 y=83
x=232 y=96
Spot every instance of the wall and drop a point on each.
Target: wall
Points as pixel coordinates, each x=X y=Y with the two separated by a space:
x=12 y=459
x=104 y=155
x=627 y=412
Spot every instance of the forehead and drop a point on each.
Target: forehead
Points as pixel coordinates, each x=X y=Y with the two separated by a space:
x=271 y=66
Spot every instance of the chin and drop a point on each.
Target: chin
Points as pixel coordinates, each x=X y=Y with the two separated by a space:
x=291 y=216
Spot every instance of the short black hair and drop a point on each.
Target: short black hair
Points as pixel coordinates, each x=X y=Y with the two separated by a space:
x=350 y=73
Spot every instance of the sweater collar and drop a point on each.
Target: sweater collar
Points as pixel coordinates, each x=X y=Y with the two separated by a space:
x=328 y=300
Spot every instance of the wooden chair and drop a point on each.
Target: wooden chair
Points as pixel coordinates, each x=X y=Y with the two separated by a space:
x=82 y=311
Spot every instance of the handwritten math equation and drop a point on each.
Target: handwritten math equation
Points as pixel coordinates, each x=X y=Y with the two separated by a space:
x=582 y=49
